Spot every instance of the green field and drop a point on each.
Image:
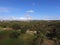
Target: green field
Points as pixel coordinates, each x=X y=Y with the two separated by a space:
x=22 y=39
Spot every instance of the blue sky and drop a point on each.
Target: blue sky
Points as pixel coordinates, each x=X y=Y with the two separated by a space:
x=30 y=9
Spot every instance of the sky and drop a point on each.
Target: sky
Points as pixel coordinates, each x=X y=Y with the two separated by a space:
x=29 y=9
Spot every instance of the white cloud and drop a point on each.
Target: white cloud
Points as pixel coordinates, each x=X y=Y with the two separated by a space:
x=4 y=9
x=51 y=17
x=23 y=18
x=30 y=11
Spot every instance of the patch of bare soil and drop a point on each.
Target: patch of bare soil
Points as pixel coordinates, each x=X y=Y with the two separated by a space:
x=48 y=42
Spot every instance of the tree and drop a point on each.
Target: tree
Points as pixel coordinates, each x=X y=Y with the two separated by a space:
x=16 y=26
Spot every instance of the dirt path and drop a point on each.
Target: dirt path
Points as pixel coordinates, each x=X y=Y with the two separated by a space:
x=48 y=42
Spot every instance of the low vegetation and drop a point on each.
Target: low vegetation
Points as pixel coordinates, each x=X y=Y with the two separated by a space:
x=29 y=32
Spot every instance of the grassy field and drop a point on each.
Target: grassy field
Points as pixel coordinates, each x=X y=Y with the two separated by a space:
x=23 y=39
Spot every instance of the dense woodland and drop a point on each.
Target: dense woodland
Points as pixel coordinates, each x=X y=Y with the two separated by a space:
x=22 y=32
